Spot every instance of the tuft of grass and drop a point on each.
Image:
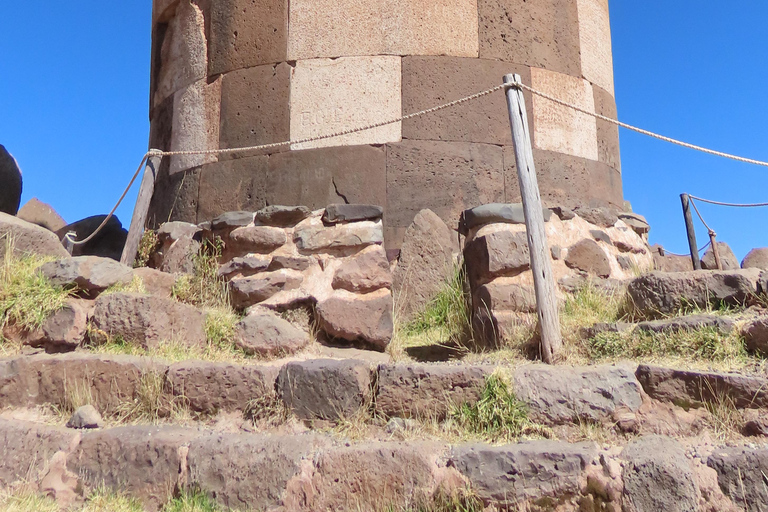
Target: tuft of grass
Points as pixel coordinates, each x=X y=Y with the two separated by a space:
x=589 y=306
x=498 y=415
x=193 y=501
x=448 y=312
x=220 y=328
x=204 y=288
x=174 y=351
x=151 y=403
x=135 y=286
x=266 y=411
x=26 y=500
x=705 y=344
x=27 y=298
x=464 y=501
x=105 y=500
x=148 y=244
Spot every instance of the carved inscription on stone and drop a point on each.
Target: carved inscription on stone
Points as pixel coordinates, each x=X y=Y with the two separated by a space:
x=558 y=128
x=329 y=96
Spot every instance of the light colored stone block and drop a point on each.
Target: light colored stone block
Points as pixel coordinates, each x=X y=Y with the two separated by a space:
x=184 y=53
x=595 y=37
x=558 y=128
x=196 y=115
x=328 y=96
x=336 y=28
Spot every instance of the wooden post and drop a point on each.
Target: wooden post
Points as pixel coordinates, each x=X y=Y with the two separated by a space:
x=715 y=250
x=694 y=248
x=140 y=211
x=541 y=265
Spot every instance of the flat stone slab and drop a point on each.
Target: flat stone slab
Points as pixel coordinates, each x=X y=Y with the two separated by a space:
x=722 y=324
x=88 y=274
x=232 y=220
x=561 y=395
x=690 y=388
x=336 y=213
x=282 y=216
x=495 y=213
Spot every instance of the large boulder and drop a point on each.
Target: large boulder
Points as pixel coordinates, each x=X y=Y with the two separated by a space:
x=427 y=261
x=587 y=256
x=353 y=317
x=147 y=321
x=89 y=275
x=663 y=293
x=515 y=474
x=10 y=177
x=560 y=395
x=495 y=254
x=727 y=258
x=741 y=473
x=28 y=239
x=42 y=214
x=325 y=389
x=756 y=335
x=756 y=258
x=364 y=272
x=264 y=333
x=108 y=243
x=427 y=391
x=658 y=476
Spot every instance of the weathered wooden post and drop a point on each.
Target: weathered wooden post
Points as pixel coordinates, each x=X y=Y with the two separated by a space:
x=715 y=250
x=686 y=200
x=541 y=265
x=141 y=210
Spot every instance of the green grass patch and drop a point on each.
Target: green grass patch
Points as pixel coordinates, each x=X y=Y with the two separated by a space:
x=148 y=244
x=193 y=501
x=27 y=298
x=706 y=344
x=448 y=311
x=590 y=305
x=498 y=415
x=204 y=288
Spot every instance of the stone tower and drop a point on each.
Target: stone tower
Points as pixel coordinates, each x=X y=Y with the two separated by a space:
x=233 y=73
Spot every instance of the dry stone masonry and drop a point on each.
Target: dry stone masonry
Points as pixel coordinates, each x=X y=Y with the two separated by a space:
x=234 y=73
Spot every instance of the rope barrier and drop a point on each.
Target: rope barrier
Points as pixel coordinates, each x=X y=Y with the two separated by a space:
x=160 y=153
x=735 y=205
x=687 y=255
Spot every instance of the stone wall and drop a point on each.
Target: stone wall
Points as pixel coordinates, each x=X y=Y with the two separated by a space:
x=233 y=73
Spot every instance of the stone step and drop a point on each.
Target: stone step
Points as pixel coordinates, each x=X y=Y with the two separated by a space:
x=314 y=472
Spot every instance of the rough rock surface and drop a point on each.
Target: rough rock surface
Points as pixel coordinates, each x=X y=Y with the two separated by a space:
x=727 y=258
x=65 y=329
x=10 y=177
x=559 y=395
x=494 y=213
x=756 y=258
x=721 y=324
x=85 y=417
x=208 y=388
x=690 y=388
x=661 y=293
x=245 y=266
x=311 y=235
x=260 y=287
x=42 y=214
x=264 y=333
x=587 y=256
x=427 y=260
x=335 y=213
x=325 y=388
x=351 y=317
x=496 y=254
x=180 y=256
x=603 y=217
x=666 y=262
x=147 y=321
x=756 y=335
x=27 y=238
x=740 y=474
x=658 y=476
x=365 y=272
x=427 y=391
x=156 y=282
x=515 y=474
x=282 y=216
x=25 y=448
x=108 y=243
x=89 y=274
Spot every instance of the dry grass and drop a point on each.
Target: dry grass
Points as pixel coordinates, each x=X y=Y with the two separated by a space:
x=135 y=286
x=465 y=501
x=26 y=500
x=27 y=298
x=147 y=245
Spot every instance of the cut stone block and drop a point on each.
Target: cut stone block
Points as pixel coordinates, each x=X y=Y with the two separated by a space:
x=196 y=117
x=336 y=28
x=246 y=33
x=595 y=41
x=232 y=185
x=543 y=34
x=558 y=128
x=328 y=96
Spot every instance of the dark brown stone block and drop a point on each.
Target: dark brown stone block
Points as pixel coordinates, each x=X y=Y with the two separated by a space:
x=567 y=181
x=255 y=108
x=607 y=133
x=246 y=33
x=446 y=177
x=175 y=197
x=430 y=81
x=318 y=177
x=541 y=33
x=232 y=185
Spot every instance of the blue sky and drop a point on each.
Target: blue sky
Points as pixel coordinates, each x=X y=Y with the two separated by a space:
x=75 y=80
